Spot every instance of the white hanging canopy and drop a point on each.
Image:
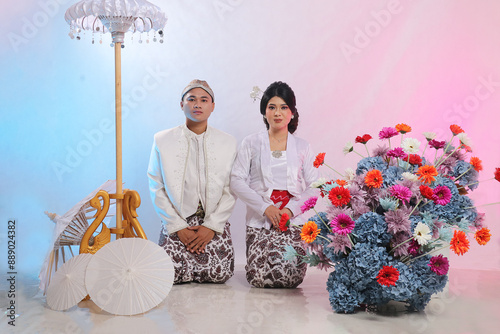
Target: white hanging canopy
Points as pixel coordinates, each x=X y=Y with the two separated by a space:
x=115 y=16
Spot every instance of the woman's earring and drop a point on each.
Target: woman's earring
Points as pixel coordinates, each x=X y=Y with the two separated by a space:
x=293 y=116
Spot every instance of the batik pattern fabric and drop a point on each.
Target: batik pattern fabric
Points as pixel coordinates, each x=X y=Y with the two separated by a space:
x=266 y=266
x=215 y=265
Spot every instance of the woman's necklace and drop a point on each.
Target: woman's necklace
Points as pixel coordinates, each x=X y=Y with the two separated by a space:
x=276 y=154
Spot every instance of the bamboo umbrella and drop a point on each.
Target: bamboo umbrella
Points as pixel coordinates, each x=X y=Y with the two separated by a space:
x=116 y=17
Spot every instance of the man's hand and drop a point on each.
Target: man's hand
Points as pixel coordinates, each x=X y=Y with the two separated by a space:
x=203 y=235
x=186 y=235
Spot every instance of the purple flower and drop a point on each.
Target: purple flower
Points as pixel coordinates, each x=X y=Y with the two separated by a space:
x=437 y=144
x=414 y=248
x=401 y=192
x=342 y=224
x=439 y=264
x=387 y=133
x=397 y=153
x=340 y=243
x=309 y=204
x=398 y=221
x=399 y=238
x=380 y=151
x=441 y=195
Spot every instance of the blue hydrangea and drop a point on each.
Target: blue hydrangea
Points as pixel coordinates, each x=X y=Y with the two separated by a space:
x=371 y=228
x=392 y=175
x=370 y=163
x=343 y=299
x=469 y=174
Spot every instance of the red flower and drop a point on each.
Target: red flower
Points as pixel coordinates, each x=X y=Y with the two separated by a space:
x=483 y=236
x=497 y=174
x=284 y=222
x=426 y=191
x=476 y=163
x=363 y=139
x=388 y=276
x=339 y=196
x=459 y=243
x=455 y=129
x=415 y=159
x=320 y=159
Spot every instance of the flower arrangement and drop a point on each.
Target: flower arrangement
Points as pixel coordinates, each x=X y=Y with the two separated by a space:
x=386 y=221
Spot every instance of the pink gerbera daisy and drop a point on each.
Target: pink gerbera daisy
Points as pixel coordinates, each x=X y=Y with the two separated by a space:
x=439 y=264
x=437 y=144
x=401 y=192
x=387 y=133
x=342 y=224
x=309 y=204
x=441 y=195
x=397 y=153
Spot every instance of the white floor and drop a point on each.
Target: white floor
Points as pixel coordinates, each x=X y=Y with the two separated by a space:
x=471 y=306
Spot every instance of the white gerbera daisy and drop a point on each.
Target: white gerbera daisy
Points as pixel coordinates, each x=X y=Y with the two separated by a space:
x=464 y=139
x=318 y=183
x=410 y=145
x=348 y=148
x=429 y=135
x=422 y=234
x=349 y=174
x=409 y=176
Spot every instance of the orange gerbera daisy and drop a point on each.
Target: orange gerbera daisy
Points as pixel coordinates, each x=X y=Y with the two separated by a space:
x=309 y=232
x=403 y=128
x=320 y=159
x=374 y=179
x=455 y=129
x=341 y=182
x=426 y=173
x=476 y=163
x=459 y=243
x=483 y=236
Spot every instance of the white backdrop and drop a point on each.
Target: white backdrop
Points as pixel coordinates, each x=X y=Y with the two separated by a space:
x=355 y=66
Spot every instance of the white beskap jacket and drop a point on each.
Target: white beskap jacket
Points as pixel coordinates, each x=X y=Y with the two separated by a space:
x=252 y=180
x=167 y=174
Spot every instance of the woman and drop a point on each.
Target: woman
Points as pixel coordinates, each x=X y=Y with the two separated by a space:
x=271 y=175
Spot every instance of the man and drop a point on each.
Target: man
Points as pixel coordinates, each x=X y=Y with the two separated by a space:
x=189 y=172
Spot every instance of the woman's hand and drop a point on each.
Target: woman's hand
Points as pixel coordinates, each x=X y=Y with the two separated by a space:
x=287 y=211
x=274 y=215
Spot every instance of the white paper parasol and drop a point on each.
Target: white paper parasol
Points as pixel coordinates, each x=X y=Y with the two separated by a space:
x=69 y=231
x=129 y=276
x=67 y=286
x=116 y=17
